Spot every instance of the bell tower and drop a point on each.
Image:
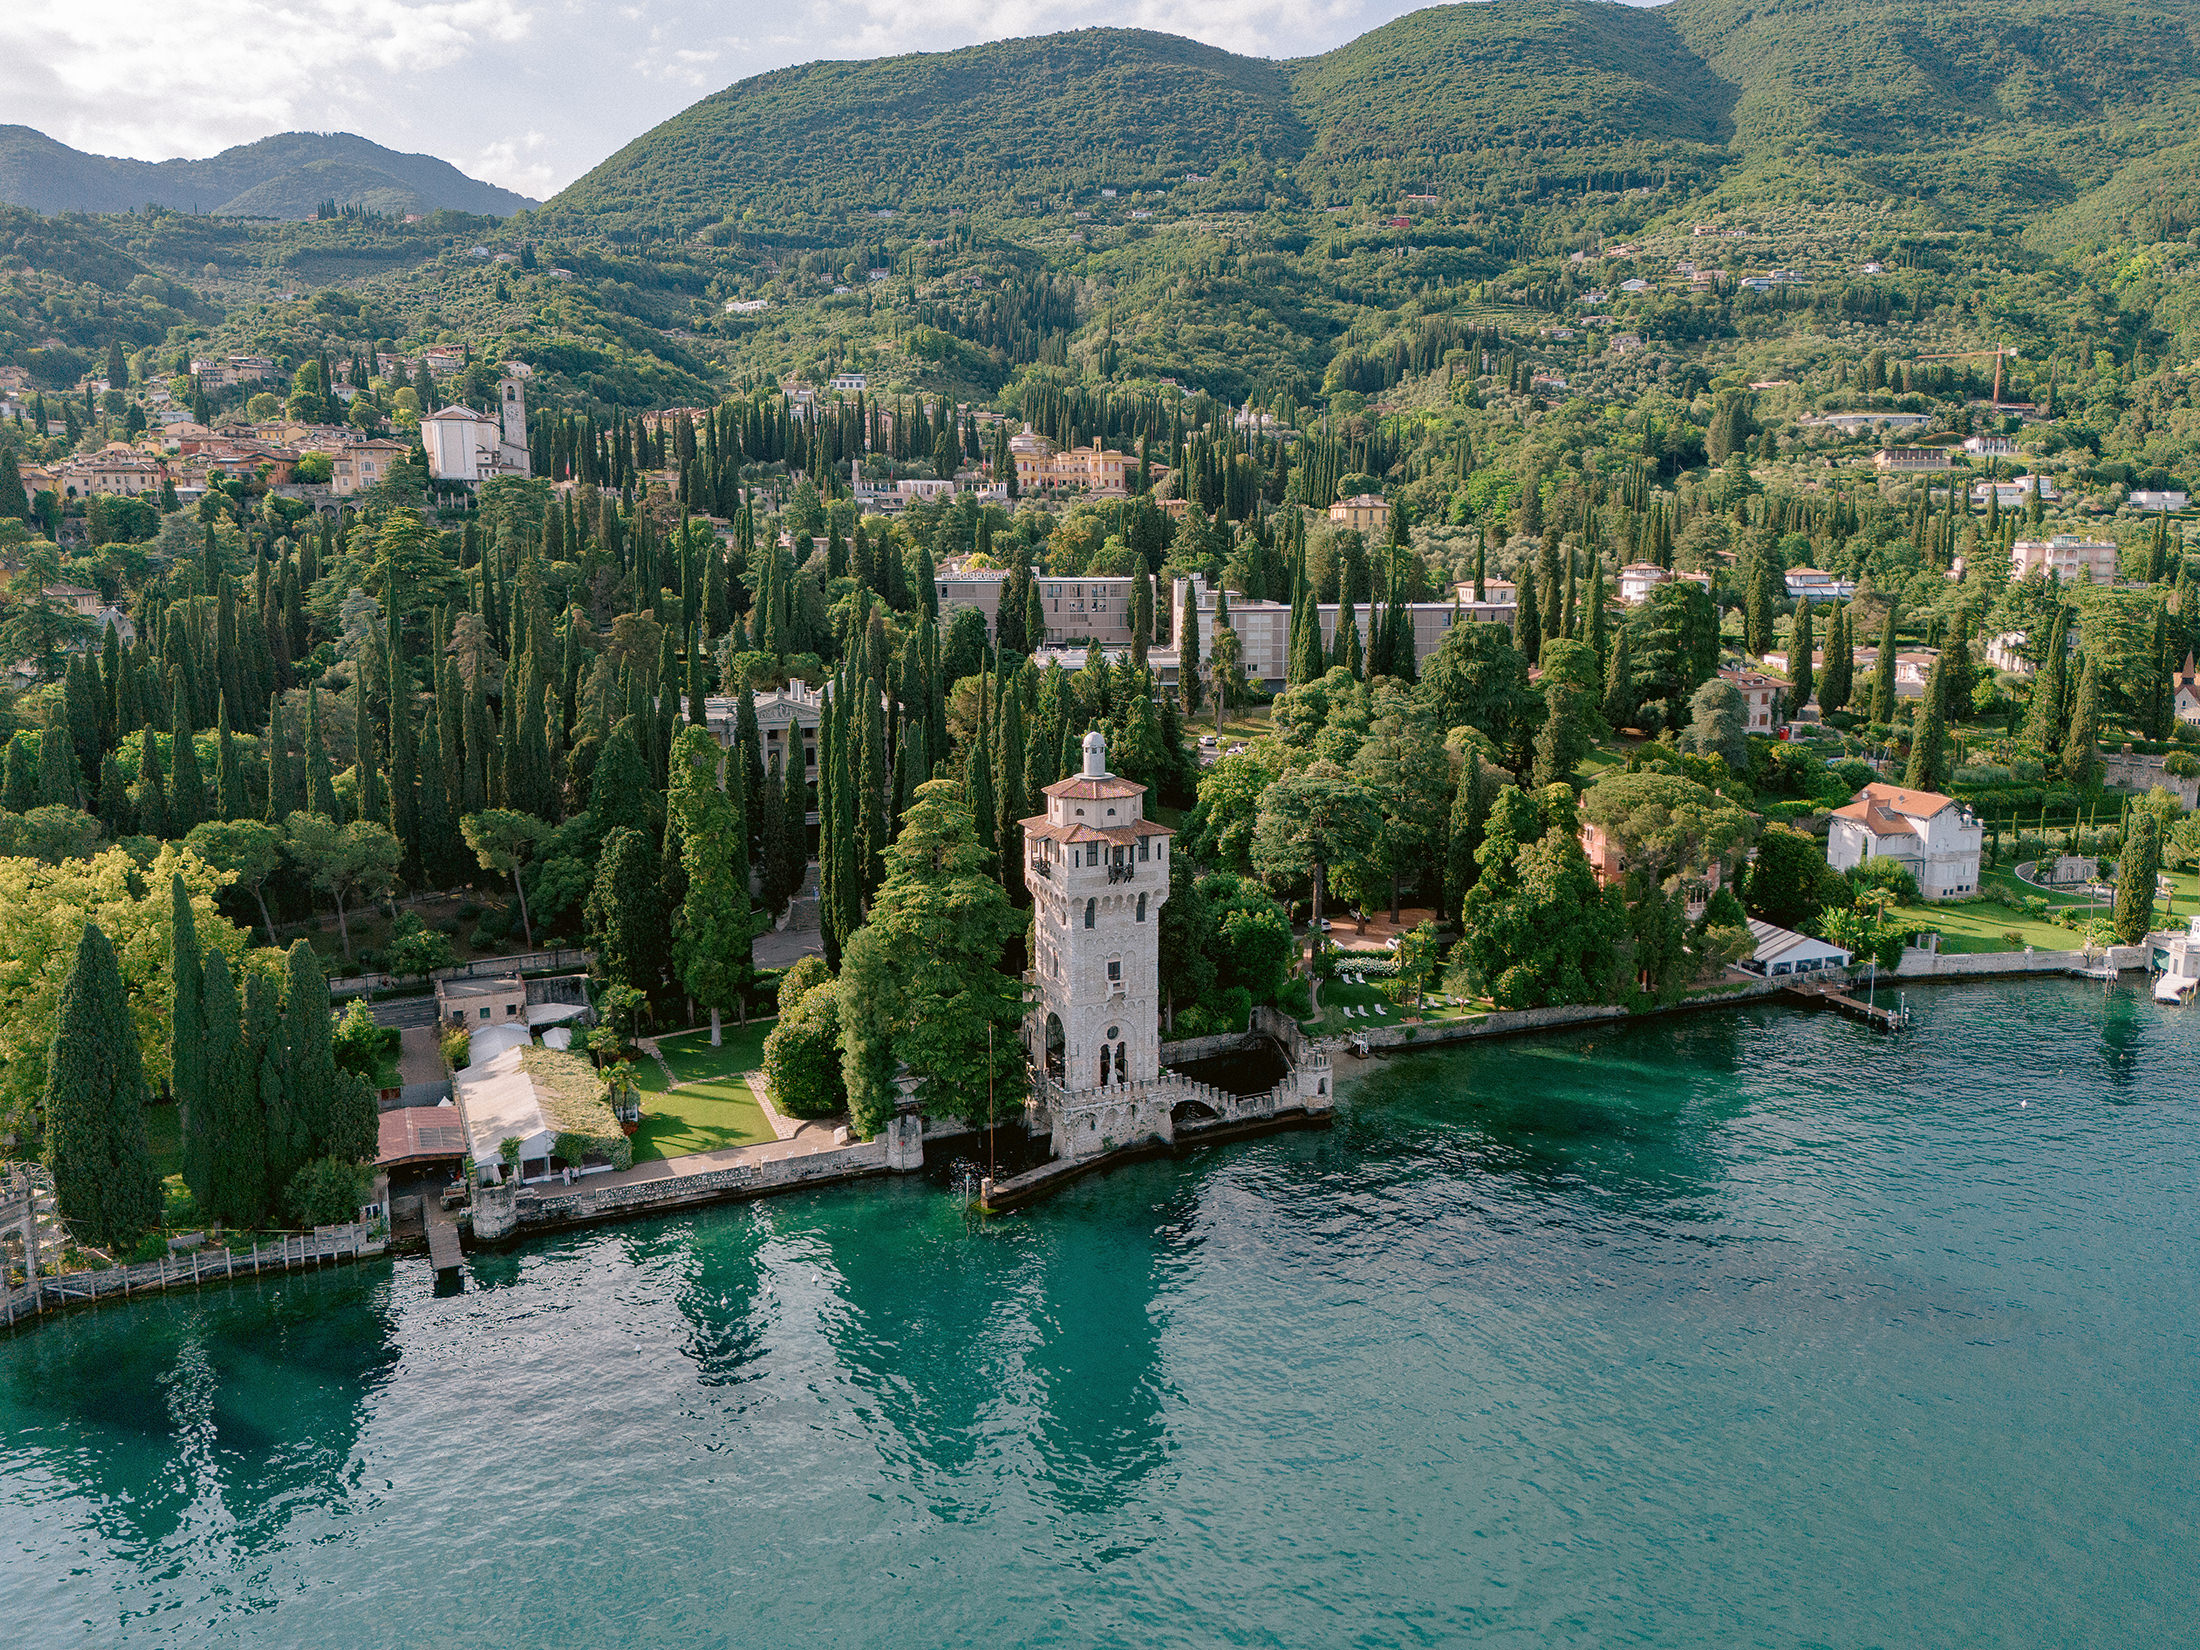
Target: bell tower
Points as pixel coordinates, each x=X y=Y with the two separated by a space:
x=1098 y=871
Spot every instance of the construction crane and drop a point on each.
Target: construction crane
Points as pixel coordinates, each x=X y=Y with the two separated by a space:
x=1998 y=352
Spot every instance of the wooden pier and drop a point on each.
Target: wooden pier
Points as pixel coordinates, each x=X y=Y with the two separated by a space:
x=1856 y=1008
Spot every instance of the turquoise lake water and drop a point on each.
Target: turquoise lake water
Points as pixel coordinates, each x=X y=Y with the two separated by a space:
x=1731 y=1329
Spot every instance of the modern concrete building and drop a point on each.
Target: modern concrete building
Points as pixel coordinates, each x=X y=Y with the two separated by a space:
x=1910 y=460
x=1264 y=628
x=1817 y=586
x=1076 y=609
x=2068 y=557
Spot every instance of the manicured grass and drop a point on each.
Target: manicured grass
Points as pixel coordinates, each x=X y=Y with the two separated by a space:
x=713 y=1107
x=700 y=1117
x=1981 y=925
x=741 y=1048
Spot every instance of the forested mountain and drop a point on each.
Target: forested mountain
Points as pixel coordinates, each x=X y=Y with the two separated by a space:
x=1990 y=110
x=289 y=175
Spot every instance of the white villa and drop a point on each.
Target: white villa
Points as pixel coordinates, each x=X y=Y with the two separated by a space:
x=1934 y=837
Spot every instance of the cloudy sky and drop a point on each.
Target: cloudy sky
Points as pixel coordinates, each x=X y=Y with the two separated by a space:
x=525 y=93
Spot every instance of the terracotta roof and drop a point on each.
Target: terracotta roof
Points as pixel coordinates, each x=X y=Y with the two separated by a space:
x=1917 y=804
x=1079 y=831
x=1876 y=819
x=1078 y=788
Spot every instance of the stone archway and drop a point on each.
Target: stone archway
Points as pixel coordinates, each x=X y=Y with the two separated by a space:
x=1057 y=1057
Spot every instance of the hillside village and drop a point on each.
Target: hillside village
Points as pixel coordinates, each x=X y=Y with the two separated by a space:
x=1697 y=588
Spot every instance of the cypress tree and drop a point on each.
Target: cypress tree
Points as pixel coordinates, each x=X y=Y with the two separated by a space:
x=1528 y=622
x=978 y=786
x=283 y=1131
x=82 y=703
x=1800 y=647
x=367 y=765
x=698 y=685
x=332 y=1110
x=320 y=775
x=1883 y=695
x=1594 y=621
x=115 y=819
x=187 y=1043
x=58 y=781
x=18 y=775
x=1339 y=647
x=105 y=1184
x=2043 y=723
x=228 y=777
x=1928 y=769
x=236 y=1188
x=794 y=833
x=476 y=783
x=186 y=791
x=2079 y=754
x=282 y=788
x=152 y=794
x=1834 y=687
x=1008 y=792
x=2137 y=874
x=1470 y=807
x=439 y=834
x=1619 y=685
x=404 y=760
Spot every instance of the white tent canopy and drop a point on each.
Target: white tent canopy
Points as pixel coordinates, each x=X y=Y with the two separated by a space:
x=499 y=1103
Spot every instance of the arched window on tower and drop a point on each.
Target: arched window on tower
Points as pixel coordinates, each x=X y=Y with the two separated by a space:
x=1092 y=910
x=1141 y=907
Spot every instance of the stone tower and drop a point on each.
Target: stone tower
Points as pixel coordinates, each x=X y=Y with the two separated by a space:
x=512 y=425
x=1098 y=871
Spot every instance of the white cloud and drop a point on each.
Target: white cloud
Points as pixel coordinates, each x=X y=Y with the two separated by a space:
x=120 y=77
x=520 y=164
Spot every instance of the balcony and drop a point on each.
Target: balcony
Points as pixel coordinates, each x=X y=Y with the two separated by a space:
x=1127 y=872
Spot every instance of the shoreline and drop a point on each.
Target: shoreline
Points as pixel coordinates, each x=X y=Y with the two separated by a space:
x=863 y=1161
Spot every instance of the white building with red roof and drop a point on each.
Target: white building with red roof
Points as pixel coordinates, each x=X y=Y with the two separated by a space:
x=1934 y=837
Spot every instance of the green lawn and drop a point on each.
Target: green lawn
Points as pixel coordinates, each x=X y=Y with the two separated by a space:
x=1981 y=925
x=713 y=1106
x=700 y=1117
x=741 y=1048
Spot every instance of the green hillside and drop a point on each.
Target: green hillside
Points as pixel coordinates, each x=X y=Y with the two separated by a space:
x=1015 y=126
x=1535 y=90
x=1985 y=110
x=1989 y=110
x=285 y=176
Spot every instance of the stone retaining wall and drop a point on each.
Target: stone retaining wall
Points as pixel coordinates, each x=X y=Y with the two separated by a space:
x=1927 y=965
x=1512 y=1022
x=1187 y=1049
x=537 y=1211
